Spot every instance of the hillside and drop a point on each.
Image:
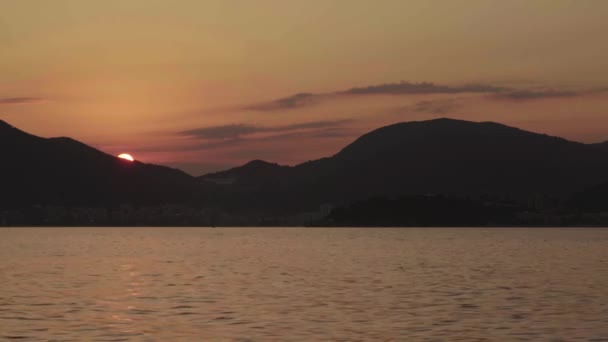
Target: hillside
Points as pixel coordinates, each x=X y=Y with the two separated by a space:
x=443 y=156
x=64 y=171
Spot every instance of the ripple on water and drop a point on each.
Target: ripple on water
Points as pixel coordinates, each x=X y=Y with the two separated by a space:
x=304 y=284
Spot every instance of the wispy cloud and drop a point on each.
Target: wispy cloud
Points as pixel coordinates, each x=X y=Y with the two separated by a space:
x=401 y=88
x=290 y=102
x=404 y=88
x=18 y=100
x=223 y=132
x=535 y=94
x=236 y=131
x=219 y=137
x=275 y=142
x=437 y=107
x=407 y=88
x=544 y=93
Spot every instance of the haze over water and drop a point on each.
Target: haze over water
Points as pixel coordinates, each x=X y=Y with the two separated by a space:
x=256 y=284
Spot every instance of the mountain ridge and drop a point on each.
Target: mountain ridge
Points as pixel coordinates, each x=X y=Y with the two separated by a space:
x=62 y=170
x=443 y=156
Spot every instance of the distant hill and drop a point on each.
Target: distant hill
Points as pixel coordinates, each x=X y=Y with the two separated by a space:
x=257 y=186
x=256 y=172
x=36 y=170
x=442 y=156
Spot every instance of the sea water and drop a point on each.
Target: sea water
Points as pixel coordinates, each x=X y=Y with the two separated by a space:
x=294 y=284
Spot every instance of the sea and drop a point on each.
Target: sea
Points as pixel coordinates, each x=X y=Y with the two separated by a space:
x=304 y=284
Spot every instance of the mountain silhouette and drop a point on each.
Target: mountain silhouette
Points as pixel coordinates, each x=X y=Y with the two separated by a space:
x=442 y=156
x=64 y=171
x=592 y=199
x=256 y=172
x=446 y=157
x=602 y=145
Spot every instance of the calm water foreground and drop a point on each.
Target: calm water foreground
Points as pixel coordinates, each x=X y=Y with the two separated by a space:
x=176 y=284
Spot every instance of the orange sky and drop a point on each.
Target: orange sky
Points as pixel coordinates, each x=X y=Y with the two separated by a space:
x=191 y=83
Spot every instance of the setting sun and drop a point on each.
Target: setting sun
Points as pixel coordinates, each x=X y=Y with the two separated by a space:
x=126 y=157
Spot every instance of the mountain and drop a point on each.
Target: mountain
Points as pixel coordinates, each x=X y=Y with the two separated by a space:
x=64 y=171
x=442 y=156
x=256 y=172
x=602 y=145
x=452 y=158
x=257 y=186
x=592 y=199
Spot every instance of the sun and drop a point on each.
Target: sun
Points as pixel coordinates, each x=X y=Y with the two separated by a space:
x=126 y=156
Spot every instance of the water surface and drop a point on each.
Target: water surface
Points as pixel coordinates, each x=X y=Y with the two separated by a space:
x=251 y=284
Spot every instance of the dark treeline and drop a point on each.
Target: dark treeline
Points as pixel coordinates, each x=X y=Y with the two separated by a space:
x=443 y=211
x=381 y=211
x=424 y=211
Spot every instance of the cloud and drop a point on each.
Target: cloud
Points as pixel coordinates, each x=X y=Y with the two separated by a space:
x=401 y=88
x=290 y=102
x=277 y=140
x=437 y=107
x=222 y=132
x=18 y=100
x=237 y=131
x=281 y=137
x=314 y=124
x=404 y=88
x=331 y=133
x=407 y=88
x=531 y=94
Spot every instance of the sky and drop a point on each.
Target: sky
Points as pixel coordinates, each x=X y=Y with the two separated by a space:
x=204 y=85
